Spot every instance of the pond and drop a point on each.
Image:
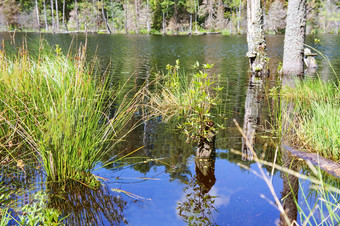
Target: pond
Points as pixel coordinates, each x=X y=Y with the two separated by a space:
x=168 y=186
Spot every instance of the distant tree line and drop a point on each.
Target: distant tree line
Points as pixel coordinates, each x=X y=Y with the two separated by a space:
x=168 y=16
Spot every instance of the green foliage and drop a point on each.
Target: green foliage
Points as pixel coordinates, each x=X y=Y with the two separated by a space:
x=189 y=99
x=37 y=213
x=317 y=125
x=56 y=107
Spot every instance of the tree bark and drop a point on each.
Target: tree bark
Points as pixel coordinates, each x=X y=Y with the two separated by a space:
x=148 y=17
x=104 y=18
x=137 y=15
x=52 y=12
x=294 y=38
x=37 y=9
x=45 y=15
x=126 y=16
x=76 y=7
x=57 y=14
x=64 y=22
x=257 y=50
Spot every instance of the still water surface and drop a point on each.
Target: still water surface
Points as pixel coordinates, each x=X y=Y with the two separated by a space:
x=157 y=190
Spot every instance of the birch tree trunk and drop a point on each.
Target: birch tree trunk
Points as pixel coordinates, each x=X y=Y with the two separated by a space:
x=239 y=17
x=37 y=9
x=137 y=15
x=257 y=50
x=294 y=38
x=52 y=12
x=105 y=19
x=148 y=17
x=76 y=6
x=126 y=16
x=64 y=22
x=57 y=14
x=45 y=15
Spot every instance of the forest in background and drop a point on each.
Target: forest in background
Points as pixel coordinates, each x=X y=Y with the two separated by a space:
x=158 y=16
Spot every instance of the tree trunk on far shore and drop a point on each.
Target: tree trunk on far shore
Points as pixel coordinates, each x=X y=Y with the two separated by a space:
x=57 y=14
x=52 y=12
x=257 y=50
x=64 y=21
x=294 y=38
x=37 y=11
x=45 y=16
x=105 y=19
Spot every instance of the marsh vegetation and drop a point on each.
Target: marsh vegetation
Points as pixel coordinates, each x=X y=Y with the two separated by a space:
x=96 y=141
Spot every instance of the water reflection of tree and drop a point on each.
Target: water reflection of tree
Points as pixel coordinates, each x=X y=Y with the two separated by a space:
x=290 y=188
x=82 y=205
x=198 y=206
x=253 y=105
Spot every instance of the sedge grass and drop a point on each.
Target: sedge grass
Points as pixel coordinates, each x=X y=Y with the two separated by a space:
x=59 y=108
x=317 y=108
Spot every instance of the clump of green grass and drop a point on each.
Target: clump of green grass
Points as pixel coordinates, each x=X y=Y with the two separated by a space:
x=316 y=123
x=58 y=107
x=189 y=98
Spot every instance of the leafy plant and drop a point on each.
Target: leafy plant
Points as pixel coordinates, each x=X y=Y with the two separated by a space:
x=189 y=99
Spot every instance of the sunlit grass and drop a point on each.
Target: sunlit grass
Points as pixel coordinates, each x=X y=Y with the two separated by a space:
x=316 y=122
x=60 y=109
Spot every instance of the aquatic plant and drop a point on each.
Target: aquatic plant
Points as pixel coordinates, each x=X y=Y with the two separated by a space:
x=189 y=98
x=34 y=213
x=315 y=122
x=60 y=109
x=326 y=209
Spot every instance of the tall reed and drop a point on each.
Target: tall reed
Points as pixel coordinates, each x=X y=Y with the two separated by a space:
x=60 y=108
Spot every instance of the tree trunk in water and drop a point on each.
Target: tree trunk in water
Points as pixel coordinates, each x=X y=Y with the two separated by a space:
x=206 y=145
x=64 y=22
x=57 y=13
x=257 y=50
x=294 y=38
x=45 y=15
x=52 y=12
x=36 y=6
x=104 y=18
x=76 y=6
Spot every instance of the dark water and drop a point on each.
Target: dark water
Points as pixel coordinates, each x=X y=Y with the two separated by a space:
x=219 y=191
